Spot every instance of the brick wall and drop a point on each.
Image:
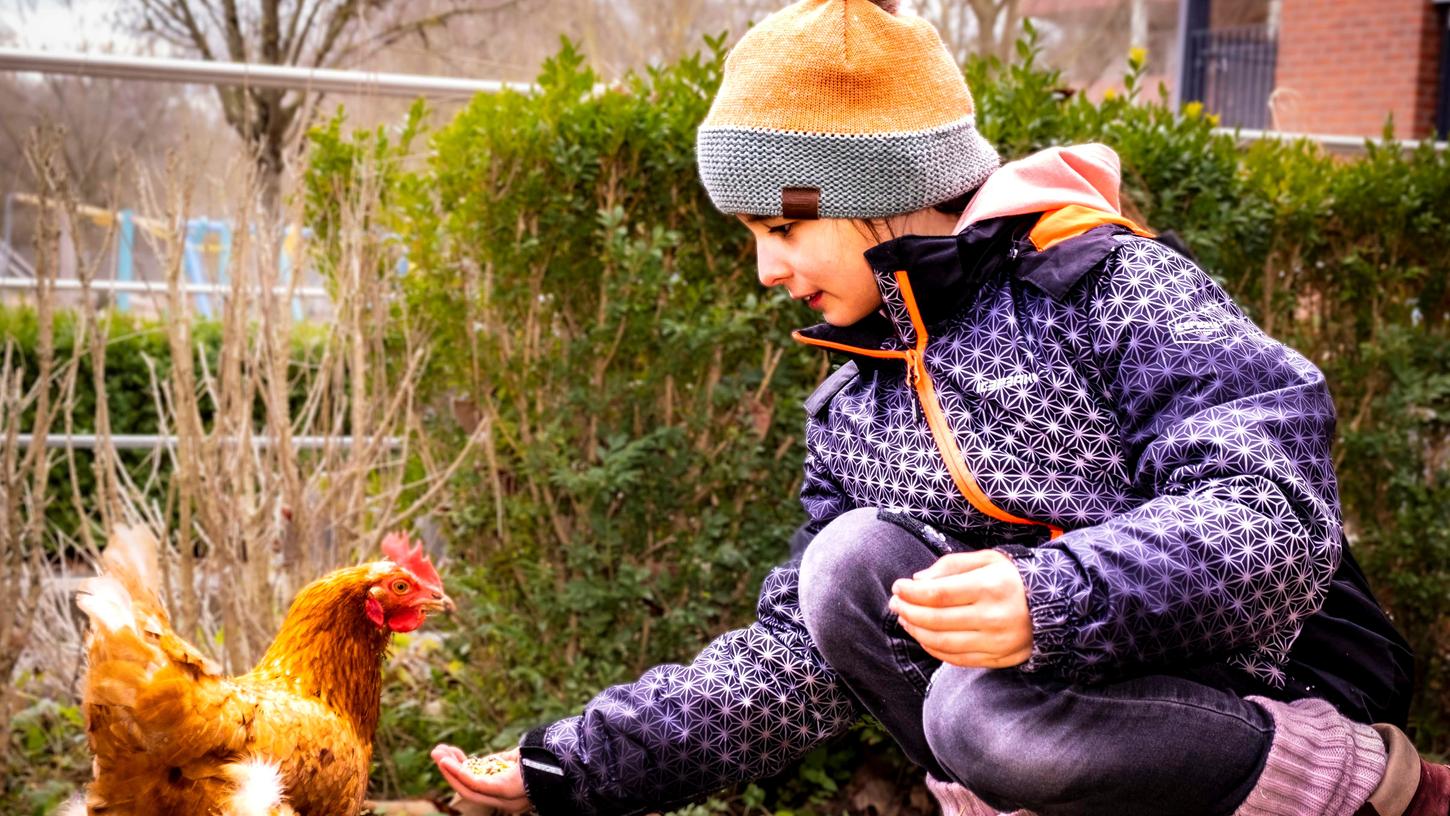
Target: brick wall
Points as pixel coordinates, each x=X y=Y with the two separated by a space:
x=1344 y=65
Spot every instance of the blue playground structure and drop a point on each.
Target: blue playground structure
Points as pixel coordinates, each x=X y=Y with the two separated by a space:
x=206 y=256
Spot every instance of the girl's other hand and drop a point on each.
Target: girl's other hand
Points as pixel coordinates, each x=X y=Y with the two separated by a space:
x=504 y=791
x=967 y=609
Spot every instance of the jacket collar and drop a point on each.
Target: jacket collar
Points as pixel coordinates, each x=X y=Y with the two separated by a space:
x=945 y=273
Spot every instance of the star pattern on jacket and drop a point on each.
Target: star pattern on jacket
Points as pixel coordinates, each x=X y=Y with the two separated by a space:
x=1186 y=452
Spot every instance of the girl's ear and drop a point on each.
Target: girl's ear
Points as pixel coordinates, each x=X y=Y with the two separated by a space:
x=877 y=230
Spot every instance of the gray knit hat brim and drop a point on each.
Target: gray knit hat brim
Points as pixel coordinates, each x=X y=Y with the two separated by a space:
x=859 y=176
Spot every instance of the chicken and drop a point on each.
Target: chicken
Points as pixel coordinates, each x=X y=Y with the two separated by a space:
x=293 y=737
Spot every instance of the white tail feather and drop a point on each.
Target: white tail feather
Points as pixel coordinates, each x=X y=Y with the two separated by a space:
x=133 y=550
x=259 y=789
x=107 y=603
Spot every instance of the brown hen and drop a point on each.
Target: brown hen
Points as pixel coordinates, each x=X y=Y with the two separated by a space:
x=293 y=737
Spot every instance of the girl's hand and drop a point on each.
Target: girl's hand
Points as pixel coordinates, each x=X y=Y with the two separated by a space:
x=967 y=609
x=504 y=791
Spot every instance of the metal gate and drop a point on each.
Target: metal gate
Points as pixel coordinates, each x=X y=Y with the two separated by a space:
x=1232 y=73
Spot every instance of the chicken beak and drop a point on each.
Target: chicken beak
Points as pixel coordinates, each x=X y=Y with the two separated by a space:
x=440 y=603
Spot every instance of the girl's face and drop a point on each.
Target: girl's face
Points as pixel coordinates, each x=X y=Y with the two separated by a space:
x=819 y=262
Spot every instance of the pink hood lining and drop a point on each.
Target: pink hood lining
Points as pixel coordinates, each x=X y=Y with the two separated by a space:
x=1087 y=174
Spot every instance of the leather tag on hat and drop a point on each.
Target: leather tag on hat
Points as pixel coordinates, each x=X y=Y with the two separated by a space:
x=800 y=203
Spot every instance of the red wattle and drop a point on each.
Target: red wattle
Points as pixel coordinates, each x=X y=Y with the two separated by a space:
x=406 y=620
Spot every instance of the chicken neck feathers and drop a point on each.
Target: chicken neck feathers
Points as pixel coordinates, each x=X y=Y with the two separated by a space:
x=172 y=734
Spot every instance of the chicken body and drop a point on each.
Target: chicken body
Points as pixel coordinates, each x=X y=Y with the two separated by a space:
x=172 y=735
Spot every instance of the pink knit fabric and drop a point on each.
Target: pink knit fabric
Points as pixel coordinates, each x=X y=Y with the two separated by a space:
x=956 y=800
x=1320 y=762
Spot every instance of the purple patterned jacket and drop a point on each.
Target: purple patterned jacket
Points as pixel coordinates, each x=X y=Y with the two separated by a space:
x=1080 y=378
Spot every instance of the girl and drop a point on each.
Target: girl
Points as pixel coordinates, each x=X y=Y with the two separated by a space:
x=1074 y=533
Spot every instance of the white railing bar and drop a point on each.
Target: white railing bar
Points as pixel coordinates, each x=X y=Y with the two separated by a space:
x=248 y=74
x=151 y=441
x=156 y=288
x=1328 y=140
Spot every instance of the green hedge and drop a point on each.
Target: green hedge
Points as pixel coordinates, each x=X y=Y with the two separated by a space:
x=643 y=392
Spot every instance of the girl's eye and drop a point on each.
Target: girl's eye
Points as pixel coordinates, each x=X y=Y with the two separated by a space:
x=400 y=587
x=781 y=229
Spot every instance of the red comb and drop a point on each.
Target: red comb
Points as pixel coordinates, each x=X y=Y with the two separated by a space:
x=414 y=560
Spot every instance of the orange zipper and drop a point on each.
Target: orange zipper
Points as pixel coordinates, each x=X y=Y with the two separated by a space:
x=881 y=353
x=936 y=420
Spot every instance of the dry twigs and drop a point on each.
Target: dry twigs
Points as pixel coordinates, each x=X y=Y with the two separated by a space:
x=250 y=514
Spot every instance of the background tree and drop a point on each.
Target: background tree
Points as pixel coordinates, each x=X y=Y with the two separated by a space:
x=305 y=33
x=1089 y=42
x=986 y=27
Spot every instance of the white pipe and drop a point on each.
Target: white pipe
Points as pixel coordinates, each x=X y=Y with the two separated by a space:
x=1330 y=141
x=247 y=74
x=152 y=441
x=148 y=287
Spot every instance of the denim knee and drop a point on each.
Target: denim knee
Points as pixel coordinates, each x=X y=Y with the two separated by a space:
x=844 y=567
x=1123 y=747
x=999 y=748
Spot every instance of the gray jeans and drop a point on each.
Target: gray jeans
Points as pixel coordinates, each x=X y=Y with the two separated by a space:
x=1155 y=744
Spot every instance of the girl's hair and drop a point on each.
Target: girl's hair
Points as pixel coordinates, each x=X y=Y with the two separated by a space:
x=875 y=227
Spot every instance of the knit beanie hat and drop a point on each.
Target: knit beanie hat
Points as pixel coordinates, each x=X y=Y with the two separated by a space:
x=841 y=109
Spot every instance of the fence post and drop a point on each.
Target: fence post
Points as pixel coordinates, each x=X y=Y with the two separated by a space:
x=1194 y=22
x=224 y=255
x=1442 y=106
x=291 y=245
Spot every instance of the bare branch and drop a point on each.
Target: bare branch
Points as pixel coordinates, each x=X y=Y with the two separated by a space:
x=236 y=38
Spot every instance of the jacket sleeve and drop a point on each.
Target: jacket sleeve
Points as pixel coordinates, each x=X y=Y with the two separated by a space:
x=1227 y=434
x=753 y=701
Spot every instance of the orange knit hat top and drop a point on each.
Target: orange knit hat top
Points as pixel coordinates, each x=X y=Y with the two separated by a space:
x=841 y=109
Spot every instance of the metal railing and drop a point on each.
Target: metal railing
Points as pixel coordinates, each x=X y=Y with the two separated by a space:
x=201 y=234
x=252 y=75
x=1345 y=145
x=157 y=287
x=153 y=441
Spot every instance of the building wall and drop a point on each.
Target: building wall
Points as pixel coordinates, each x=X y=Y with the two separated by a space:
x=1345 y=65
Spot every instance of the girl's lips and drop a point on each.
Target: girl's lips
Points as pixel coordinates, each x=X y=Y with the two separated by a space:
x=814 y=301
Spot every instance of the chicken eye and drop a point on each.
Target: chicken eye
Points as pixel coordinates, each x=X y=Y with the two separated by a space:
x=401 y=587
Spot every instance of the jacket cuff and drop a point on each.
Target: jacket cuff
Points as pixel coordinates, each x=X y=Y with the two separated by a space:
x=546 y=783
x=1049 y=603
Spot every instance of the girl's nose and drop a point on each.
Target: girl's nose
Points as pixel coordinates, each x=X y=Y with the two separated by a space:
x=769 y=267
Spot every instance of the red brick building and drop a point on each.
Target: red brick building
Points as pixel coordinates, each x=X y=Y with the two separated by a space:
x=1346 y=65
x=1336 y=67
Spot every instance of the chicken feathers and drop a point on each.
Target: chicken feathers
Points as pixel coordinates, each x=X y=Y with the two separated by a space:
x=171 y=734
